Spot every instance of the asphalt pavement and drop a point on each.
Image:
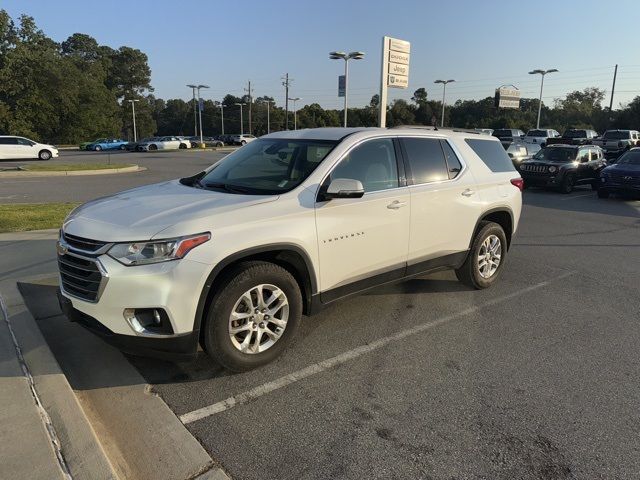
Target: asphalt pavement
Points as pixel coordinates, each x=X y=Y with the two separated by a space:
x=534 y=378
x=160 y=166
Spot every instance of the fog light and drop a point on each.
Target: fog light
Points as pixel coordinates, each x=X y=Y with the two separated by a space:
x=148 y=321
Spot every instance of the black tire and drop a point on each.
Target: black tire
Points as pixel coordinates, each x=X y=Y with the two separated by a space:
x=44 y=155
x=568 y=183
x=603 y=194
x=182 y=146
x=153 y=146
x=241 y=278
x=469 y=272
x=97 y=148
x=123 y=147
x=243 y=143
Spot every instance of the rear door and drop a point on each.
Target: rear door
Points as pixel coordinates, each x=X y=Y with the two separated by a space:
x=444 y=206
x=8 y=147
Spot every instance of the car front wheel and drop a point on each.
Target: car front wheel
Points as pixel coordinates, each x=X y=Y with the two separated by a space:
x=486 y=257
x=44 y=155
x=253 y=317
x=567 y=183
x=97 y=148
x=182 y=146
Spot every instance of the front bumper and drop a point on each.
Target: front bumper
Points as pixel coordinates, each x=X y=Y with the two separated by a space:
x=540 y=180
x=180 y=347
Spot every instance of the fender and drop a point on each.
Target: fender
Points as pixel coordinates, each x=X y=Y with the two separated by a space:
x=272 y=247
x=489 y=212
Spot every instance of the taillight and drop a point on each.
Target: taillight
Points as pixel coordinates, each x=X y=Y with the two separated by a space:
x=518 y=182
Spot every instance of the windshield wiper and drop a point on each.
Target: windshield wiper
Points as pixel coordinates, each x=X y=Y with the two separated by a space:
x=226 y=187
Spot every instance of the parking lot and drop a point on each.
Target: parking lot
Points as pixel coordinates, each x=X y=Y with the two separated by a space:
x=533 y=378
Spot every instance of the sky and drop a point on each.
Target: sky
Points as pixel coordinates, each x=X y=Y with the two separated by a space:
x=480 y=44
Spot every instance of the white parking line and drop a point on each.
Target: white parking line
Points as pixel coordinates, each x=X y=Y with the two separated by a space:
x=319 y=367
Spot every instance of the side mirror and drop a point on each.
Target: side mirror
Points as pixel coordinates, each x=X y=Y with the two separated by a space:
x=344 y=188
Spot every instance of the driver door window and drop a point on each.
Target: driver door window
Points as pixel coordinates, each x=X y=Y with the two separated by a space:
x=24 y=148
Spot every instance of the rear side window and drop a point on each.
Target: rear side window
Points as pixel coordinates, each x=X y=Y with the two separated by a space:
x=426 y=160
x=8 y=141
x=492 y=154
x=453 y=163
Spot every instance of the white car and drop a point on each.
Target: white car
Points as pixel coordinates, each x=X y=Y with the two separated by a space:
x=540 y=136
x=165 y=143
x=242 y=139
x=234 y=256
x=12 y=147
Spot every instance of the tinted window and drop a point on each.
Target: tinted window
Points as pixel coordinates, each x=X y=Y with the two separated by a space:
x=502 y=133
x=631 y=157
x=537 y=133
x=8 y=141
x=373 y=163
x=556 y=154
x=617 y=135
x=24 y=141
x=492 y=154
x=426 y=159
x=453 y=163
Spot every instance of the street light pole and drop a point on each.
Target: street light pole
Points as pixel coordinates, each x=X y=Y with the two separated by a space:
x=200 y=113
x=295 y=112
x=133 y=111
x=268 y=102
x=241 y=121
x=195 y=115
x=444 y=92
x=542 y=73
x=222 y=107
x=346 y=57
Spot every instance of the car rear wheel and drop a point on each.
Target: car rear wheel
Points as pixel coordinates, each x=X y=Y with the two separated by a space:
x=182 y=146
x=243 y=142
x=153 y=147
x=44 y=155
x=123 y=147
x=97 y=148
x=486 y=257
x=253 y=317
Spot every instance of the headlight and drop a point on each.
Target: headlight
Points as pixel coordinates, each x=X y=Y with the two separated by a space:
x=552 y=169
x=143 y=253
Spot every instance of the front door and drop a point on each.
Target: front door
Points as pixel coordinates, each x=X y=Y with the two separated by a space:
x=25 y=149
x=364 y=240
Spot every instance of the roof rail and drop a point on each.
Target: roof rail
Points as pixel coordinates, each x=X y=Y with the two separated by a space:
x=436 y=129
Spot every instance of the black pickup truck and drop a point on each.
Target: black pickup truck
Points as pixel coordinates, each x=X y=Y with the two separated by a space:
x=574 y=136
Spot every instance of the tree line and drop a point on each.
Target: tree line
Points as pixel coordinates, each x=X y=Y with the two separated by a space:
x=78 y=90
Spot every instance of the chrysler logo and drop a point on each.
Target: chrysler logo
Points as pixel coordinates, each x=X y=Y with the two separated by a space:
x=62 y=248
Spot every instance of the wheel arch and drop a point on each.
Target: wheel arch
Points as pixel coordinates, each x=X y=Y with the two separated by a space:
x=289 y=256
x=503 y=216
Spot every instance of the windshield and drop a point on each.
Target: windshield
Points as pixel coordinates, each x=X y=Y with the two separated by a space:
x=575 y=134
x=631 y=157
x=267 y=166
x=616 y=135
x=537 y=133
x=556 y=154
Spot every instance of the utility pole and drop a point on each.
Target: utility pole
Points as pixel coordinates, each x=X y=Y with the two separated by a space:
x=222 y=107
x=248 y=90
x=613 y=89
x=268 y=102
x=286 y=83
x=195 y=113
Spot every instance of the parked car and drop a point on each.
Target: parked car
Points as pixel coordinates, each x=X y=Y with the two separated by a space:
x=242 y=139
x=164 y=143
x=574 y=136
x=484 y=131
x=622 y=177
x=13 y=147
x=83 y=145
x=135 y=146
x=294 y=221
x=540 y=136
x=519 y=152
x=563 y=167
x=508 y=135
x=615 y=142
x=108 y=144
x=208 y=142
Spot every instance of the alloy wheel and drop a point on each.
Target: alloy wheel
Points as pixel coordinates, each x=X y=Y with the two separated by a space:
x=489 y=256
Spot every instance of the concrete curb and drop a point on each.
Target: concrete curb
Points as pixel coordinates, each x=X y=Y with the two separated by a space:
x=49 y=234
x=71 y=173
x=79 y=446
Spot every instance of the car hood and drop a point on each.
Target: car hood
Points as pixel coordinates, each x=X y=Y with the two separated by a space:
x=142 y=213
x=622 y=168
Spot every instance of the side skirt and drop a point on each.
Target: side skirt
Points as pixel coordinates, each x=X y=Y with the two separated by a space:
x=321 y=300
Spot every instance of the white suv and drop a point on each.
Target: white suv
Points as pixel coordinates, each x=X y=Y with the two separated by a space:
x=540 y=136
x=233 y=257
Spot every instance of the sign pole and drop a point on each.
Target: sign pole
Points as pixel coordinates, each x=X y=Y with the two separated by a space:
x=384 y=71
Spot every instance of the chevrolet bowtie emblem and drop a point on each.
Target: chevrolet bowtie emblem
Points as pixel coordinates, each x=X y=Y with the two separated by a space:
x=61 y=248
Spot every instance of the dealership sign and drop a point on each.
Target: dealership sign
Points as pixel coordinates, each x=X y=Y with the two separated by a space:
x=507 y=96
x=396 y=54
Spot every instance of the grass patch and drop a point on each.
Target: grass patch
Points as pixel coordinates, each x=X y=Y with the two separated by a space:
x=21 y=217
x=71 y=167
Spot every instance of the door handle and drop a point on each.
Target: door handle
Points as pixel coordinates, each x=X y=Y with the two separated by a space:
x=396 y=204
x=468 y=192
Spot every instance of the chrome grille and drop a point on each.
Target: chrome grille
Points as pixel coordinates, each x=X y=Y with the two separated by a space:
x=535 y=168
x=83 y=244
x=80 y=276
